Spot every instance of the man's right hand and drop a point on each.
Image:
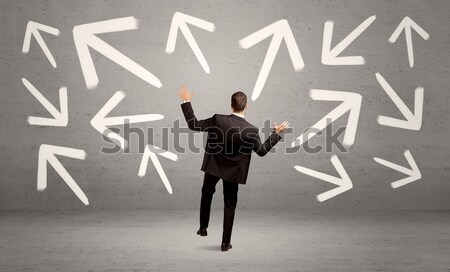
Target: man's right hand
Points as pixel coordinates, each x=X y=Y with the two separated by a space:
x=280 y=128
x=184 y=93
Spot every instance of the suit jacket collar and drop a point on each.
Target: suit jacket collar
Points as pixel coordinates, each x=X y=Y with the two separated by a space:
x=236 y=117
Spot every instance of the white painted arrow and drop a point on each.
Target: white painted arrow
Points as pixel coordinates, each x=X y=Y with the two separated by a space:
x=330 y=56
x=47 y=154
x=406 y=24
x=344 y=183
x=280 y=31
x=413 y=121
x=33 y=29
x=180 y=21
x=84 y=37
x=351 y=102
x=100 y=121
x=413 y=173
x=60 y=118
x=152 y=155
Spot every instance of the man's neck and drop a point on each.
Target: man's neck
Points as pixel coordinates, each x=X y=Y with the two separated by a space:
x=240 y=114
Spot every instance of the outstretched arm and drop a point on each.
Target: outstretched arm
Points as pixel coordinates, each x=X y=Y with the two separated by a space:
x=263 y=148
x=191 y=120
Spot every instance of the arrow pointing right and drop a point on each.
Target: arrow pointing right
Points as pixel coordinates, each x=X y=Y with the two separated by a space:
x=152 y=155
x=407 y=23
x=84 y=37
x=330 y=56
x=413 y=173
x=344 y=183
x=280 y=31
x=100 y=121
x=351 y=102
x=33 y=30
x=47 y=154
x=413 y=121
x=60 y=118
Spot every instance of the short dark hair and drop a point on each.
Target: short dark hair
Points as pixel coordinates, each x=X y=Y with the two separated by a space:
x=238 y=101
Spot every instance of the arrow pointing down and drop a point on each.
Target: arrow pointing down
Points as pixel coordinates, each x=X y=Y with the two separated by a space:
x=413 y=121
x=60 y=118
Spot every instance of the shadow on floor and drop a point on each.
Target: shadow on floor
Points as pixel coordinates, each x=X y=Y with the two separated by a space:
x=210 y=247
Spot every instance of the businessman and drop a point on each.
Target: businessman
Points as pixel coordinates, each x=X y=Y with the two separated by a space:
x=230 y=142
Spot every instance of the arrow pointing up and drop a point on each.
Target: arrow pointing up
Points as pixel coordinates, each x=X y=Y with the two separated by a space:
x=84 y=37
x=330 y=56
x=152 y=155
x=280 y=31
x=60 y=118
x=343 y=182
x=180 y=21
x=413 y=173
x=33 y=28
x=100 y=121
x=413 y=121
x=47 y=154
x=351 y=102
x=407 y=23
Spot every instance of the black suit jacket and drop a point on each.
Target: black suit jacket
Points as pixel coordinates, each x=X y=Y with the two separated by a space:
x=231 y=140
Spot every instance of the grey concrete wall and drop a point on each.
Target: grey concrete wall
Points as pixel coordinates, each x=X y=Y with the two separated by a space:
x=111 y=181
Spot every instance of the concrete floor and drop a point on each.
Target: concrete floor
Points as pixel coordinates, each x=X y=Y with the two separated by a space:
x=89 y=240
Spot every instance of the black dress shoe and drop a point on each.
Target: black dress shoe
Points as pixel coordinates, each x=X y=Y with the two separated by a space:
x=225 y=247
x=202 y=232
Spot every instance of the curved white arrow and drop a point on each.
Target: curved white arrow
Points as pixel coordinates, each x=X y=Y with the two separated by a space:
x=84 y=37
x=47 y=154
x=351 y=102
x=152 y=155
x=60 y=118
x=33 y=29
x=180 y=21
x=413 y=173
x=407 y=23
x=343 y=182
x=100 y=121
x=330 y=56
x=413 y=121
x=280 y=31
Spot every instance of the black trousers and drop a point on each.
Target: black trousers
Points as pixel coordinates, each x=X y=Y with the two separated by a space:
x=230 y=191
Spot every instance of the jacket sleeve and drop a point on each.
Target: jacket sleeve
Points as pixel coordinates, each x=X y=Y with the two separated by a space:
x=263 y=148
x=191 y=120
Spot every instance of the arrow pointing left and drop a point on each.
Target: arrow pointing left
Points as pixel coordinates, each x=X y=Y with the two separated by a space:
x=180 y=21
x=84 y=37
x=100 y=122
x=33 y=29
x=47 y=154
x=344 y=183
x=60 y=118
x=330 y=56
x=280 y=31
x=152 y=155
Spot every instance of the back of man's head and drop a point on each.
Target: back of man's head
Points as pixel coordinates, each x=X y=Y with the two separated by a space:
x=238 y=101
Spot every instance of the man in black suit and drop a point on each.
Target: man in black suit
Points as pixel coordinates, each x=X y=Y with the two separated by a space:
x=231 y=140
